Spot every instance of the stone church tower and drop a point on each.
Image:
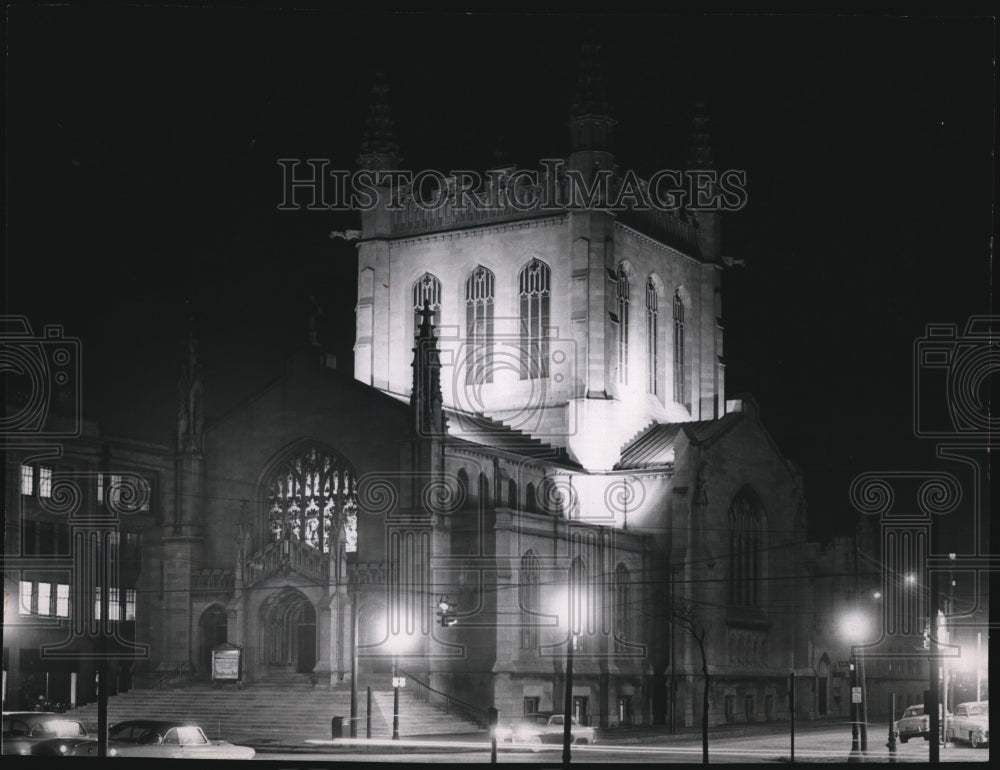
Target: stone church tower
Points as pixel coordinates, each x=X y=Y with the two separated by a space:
x=580 y=326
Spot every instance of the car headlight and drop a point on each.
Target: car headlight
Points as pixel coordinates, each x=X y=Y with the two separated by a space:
x=112 y=752
x=62 y=749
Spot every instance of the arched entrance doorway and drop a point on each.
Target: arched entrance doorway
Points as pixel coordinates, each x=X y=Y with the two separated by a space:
x=288 y=632
x=214 y=631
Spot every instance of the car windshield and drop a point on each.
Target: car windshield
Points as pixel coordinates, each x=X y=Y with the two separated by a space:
x=130 y=733
x=978 y=710
x=60 y=728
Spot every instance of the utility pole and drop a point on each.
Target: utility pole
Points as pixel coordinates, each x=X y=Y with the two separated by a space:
x=979 y=671
x=791 y=710
x=354 y=663
x=932 y=699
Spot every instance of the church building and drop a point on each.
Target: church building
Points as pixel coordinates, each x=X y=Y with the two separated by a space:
x=535 y=460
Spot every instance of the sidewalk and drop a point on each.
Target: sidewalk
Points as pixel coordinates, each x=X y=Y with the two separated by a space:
x=477 y=741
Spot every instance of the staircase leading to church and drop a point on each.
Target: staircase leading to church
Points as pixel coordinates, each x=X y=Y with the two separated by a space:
x=278 y=707
x=481 y=429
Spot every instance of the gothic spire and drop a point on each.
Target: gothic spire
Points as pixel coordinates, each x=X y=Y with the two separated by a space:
x=590 y=115
x=426 y=400
x=701 y=144
x=379 y=151
x=591 y=87
x=190 y=406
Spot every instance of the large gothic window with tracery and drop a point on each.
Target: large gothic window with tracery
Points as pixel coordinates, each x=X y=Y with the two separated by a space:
x=312 y=495
x=652 y=353
x=426 y=289
x=533 y=288
x=621 y=305
x=745 y=547
x=479 y=326
x=682 y=388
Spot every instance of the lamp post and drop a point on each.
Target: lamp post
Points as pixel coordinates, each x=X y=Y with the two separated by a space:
x=395 y=698
x=576 y=607
x=855 y=628
x=568 y=703
x=398 y=643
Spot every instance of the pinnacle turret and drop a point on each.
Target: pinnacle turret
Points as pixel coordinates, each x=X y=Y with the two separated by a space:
x=379 y=151
x=701 y=144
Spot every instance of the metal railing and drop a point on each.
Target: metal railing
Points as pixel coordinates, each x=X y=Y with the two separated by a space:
x=477 y=715
x=160 y=683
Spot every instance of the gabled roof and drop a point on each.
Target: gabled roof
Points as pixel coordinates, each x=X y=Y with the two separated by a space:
x=654 y=447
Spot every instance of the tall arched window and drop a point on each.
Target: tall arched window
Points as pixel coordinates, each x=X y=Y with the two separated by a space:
x=623 y=604
x=579 y=598
x=479 y=326
x=463 y=488
x=682 y=391
x=652 y=340
x=485 y=498
x=528 y=600
x=533 y=288
x=621 y=295
x=529 y=498
x=744 y=551
x=310 y=496
x=512 y=494
x=426 y=289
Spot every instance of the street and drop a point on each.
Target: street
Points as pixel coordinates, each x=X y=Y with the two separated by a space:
x=825 y=744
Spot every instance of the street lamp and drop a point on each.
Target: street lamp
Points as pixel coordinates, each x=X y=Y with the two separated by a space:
x=576 y=601
x=854 y=627
x=397 y=643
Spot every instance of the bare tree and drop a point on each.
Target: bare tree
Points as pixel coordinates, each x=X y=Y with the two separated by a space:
x=685 y=616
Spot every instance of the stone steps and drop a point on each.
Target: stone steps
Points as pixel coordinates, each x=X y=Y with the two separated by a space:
x=277 y=707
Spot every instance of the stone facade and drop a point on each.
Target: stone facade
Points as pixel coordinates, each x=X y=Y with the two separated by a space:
x=580 y=506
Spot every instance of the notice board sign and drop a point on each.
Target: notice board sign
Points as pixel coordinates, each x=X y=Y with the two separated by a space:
x=227 y=663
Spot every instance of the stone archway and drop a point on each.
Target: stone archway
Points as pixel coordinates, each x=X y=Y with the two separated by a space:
x=288 y=632
x=214 y=630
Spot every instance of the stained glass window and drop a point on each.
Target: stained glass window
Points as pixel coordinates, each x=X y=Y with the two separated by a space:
x=311 y=497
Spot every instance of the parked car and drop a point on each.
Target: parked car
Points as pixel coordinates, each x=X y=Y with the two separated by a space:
x=24 y=730
x=542 y=727
x=915 y=723
x=170 y=739
x=971 y=723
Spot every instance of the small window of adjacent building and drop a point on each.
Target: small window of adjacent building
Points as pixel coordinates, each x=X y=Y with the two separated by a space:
x=24 y=604
x=44 y=481
x=114 y=609
x=44 y=598
x=97 y=603
x=531 y=705
x=27 y=480
x=730 y=708
x=62 y=600
x=129 y=604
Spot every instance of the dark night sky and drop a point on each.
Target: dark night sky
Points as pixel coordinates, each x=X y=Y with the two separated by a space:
x=143 y=185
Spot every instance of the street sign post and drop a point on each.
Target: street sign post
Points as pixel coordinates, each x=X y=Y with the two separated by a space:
x=855 y=695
